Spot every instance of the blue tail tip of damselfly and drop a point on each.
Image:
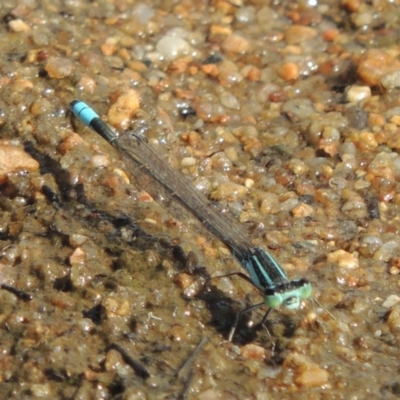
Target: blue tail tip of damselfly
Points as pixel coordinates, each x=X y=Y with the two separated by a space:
x=73 y=103
x=83 y=112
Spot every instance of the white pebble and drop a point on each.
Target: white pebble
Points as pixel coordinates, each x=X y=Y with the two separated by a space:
x=188 y=162
x=343 y=259
x=99 y=161
x=391 y=301
x=357 y=93
x=17 y=25
x=171 y=47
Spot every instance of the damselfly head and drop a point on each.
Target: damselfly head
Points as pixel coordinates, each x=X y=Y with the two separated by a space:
x=288 y=294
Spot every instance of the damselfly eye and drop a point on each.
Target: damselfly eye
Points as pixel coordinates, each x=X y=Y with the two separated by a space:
x=273 y=300
x=305 y=290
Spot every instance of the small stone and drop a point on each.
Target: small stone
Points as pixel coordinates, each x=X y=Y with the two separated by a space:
x=172 y=47
x=391 y=80
x=343 y=259
x=391 y=301
x=184 y=280
x=330 y=34
x=386 y=251
x=289 y=71
x=77 y=240
x=69 y=142
x=13 y=159
x=306 y=373
x=357 y=93
x=99 y=161
x=17 y=25
x=352 y=5
x=315 y=376
x=253 y=351
x=87 y=84
x=113 y=360
x=236 y=44
x=188 y=162
x=298 y=33
x=210 y=69
x=41 y=390
x=228 y=73
x=124 y=107
x=78 y=257
x=363 y=19
x=229 y=192
x=298 y=167
x=116 y=308
x=302 y=211
x=40 y=106
x=269 y=203
x=217 y=30
x=394 y=270
x=328 y=146
x=59 y=67
x=299 y=108
x=367 y=141
x=393 y=319
x=375 y=64
x=228 y=100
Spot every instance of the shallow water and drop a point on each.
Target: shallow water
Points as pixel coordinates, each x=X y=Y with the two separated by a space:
x=287 y=114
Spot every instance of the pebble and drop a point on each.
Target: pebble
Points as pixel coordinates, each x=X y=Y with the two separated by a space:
x=229 y=192
x=391 y=301
x=253 y=351
x=78 y=257
x=42 y=390
x=228 y=100
x=343 y=259
x=363 y=19
x=375 y=64
x=352 y=5
x=77 y=240
x=391 y=80
x=172 y=47
x=188 y=162
x=289 y=71
x=298 y=167
x=386 y=251
x=124 y=105
x=393 y=319
x=369 y=244
x=14 y=159
x=236 y=44
x=69 y=142
x=116 y=307
x=228 y=73
x=59 y=67
x=298 y=33
x=302 y=210
x=18 y=26
x=114 y=362
x=269 y=203
x=299 y=108
x=306 y=373
x=357 y=93
x=100 y=161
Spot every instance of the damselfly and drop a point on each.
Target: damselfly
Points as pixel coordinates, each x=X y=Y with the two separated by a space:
x=265 y=272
